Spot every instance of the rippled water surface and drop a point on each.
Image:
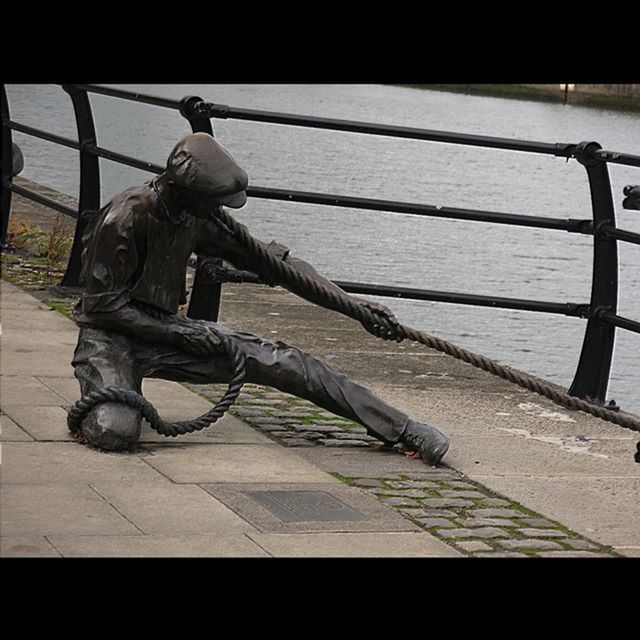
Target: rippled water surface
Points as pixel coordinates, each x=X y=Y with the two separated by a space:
x=390 y=248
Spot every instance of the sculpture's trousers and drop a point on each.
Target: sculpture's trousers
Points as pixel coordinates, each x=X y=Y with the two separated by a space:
x=106 y=358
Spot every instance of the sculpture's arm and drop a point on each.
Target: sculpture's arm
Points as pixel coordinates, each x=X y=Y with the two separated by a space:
x=185 y=333
x=383 y=322
x=227 y=246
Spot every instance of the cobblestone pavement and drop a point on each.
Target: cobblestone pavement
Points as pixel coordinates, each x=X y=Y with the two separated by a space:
x=476 y=521
x=462 y=513
x=289 y=420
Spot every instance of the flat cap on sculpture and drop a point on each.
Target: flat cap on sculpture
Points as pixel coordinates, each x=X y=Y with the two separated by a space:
x=200 y=163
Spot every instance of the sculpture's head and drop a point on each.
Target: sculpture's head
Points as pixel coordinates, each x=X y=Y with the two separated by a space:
x=203 y=175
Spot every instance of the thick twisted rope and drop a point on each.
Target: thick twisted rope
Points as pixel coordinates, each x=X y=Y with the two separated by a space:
x=283 y=272
x=82 y=407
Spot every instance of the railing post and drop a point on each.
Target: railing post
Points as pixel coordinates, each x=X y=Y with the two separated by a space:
x=206 y=291
x=89 y=199
x=592 y=375
x=6 y=165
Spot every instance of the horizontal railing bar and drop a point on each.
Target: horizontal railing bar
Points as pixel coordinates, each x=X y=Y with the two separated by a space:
x=122 y=159
x=621 y=234
x=619 y=321
x=421 y=209
x=556 y=149
x=618 y=158
x=39 y=133
x=131 y=95
x=227 y=112
x=47 y=202
x=99 y=151
x=564 y=308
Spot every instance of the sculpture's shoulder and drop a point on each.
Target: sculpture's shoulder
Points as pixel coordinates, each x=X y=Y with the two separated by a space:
x=128 y=208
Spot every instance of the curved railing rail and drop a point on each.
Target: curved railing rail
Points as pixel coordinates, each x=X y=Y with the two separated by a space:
x=592 y=375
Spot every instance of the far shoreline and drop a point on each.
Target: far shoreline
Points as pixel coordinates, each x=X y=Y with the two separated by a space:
x=537 y=93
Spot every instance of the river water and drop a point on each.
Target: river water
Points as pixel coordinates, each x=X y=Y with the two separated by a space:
x=396 y=249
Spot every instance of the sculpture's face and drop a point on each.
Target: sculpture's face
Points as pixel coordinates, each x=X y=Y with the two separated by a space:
x=194 y=203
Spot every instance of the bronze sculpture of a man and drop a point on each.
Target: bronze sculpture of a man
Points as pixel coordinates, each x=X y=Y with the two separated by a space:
x=135 y=256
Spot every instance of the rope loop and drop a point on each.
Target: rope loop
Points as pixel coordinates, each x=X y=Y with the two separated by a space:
x=82 y=407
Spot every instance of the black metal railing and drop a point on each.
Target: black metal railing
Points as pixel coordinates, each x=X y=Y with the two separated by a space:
x=592 y=374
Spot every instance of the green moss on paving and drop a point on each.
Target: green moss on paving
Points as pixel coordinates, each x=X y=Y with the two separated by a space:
x=29 y=272
x=462 y=514
x=63 y=305
x=319 y=418
x=33 y=273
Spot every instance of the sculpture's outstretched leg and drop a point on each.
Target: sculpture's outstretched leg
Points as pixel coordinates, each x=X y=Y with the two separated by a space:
x=276 y=364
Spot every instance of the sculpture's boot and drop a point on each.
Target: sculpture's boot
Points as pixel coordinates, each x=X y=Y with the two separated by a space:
x=113 y=427
x=428 y=441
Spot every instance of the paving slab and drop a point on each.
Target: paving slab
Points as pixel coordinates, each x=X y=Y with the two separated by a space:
x=159 y=546
x=502 y=455
x=516 y=411
x=11 y=432
x=43 y=423
x=29 y=331
x=27 y=390
x=43 y=509
x=605 y=509
x=25 y=363
x=14 y=298
x=226 y=430
x=66 y=386
x=366 y=462
x=629 y=552
x=232 y=463
x=174 y=400
x=354 y=545
x=34 y=338
x=55 y=463
x=168 y=508
x=51 y=335
x=27 y=547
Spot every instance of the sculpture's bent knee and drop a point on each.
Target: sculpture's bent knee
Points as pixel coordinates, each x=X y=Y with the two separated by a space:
x=113 y=426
